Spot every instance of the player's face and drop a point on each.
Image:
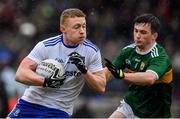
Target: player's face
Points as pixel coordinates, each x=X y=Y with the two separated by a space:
x=143 y=37
x=75 y=30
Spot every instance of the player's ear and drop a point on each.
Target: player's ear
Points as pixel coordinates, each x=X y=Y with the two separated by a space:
x=62 y=28
x=155 y=35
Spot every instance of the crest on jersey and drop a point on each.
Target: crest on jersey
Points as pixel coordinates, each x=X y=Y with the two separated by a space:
x=142 y=65
x=17 y=112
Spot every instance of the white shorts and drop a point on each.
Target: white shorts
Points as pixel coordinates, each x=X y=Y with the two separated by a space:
x=125 y=109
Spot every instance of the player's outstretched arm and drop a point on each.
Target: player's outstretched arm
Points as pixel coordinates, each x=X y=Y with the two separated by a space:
x=139 y=78
x=26 y=73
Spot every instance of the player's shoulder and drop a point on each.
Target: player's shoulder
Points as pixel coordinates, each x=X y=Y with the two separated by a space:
x=87 y=43
x=52 y=41
x=157 y=50
x=129 y=47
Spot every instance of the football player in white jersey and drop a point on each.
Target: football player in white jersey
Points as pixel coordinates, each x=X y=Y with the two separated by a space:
x=45 y=97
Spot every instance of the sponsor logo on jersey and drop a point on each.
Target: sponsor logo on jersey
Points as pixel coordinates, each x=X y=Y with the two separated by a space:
x=128 y=62
x=73 y=73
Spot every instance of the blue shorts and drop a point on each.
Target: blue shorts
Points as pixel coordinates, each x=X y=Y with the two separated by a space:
x=24 y=109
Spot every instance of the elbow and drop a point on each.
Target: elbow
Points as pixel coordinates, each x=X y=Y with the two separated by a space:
x=102 y=88
x=17 y=77
x=151 y=81
x=151 y=78
x=101 y=91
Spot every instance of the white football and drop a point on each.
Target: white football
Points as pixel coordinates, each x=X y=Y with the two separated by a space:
x=49 y=68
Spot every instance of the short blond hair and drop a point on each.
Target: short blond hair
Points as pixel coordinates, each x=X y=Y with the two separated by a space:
x=70 y=13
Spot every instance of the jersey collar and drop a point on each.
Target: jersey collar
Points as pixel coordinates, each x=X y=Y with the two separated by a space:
x=146 y=52
x=68 y=46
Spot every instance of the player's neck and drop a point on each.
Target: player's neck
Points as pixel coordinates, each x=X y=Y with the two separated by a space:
x=150 y=46
x=145 y=49
x=69 y=43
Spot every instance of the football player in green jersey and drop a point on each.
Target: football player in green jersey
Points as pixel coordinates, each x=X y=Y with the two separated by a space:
x=147 y=67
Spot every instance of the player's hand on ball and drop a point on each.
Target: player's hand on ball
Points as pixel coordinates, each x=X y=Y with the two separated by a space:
x=53 y=81
x=118 y=73
x=77 y=59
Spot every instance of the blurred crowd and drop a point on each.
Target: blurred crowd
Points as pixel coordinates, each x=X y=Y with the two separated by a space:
x=109 y=25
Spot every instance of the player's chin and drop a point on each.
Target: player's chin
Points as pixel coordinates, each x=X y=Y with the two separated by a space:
x=138 y=44
x=81 y=41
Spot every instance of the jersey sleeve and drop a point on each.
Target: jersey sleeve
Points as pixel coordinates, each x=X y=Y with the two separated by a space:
x=120 y=59
x=37 y=54
x=95 y=63
x=160 y=65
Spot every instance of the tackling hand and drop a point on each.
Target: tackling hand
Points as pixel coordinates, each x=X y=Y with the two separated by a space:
x=76 y=59
x=118 y=73
x=53 y=81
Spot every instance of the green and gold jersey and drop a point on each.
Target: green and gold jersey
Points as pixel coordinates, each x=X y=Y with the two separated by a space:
x=148 y=100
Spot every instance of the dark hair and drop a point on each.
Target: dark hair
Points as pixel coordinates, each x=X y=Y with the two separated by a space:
x=149 y=19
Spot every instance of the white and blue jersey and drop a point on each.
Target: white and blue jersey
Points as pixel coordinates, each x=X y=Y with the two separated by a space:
x=62 y=98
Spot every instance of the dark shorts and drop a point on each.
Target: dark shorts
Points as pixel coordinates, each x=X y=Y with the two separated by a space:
x=24 y=109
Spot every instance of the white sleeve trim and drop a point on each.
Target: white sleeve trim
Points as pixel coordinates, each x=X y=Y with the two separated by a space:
x=34 y=59
x=157 y=77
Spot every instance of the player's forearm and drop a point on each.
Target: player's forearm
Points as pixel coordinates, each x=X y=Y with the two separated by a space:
x=28 y=77
x=140 y=78
x=96 y=81
x=108 y=74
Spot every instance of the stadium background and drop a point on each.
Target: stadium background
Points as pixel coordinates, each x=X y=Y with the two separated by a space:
x=109 y=25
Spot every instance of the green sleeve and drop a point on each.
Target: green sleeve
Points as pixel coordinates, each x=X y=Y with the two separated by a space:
x=160 y=64
x=119 y=60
